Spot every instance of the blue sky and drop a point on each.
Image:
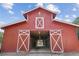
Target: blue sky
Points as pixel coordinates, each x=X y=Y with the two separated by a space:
x=10 y=12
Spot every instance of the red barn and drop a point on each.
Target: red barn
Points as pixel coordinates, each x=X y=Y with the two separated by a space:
x=40 y=30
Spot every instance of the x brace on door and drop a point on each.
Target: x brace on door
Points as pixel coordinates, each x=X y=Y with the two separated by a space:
x=23 y=40
x=56 y=41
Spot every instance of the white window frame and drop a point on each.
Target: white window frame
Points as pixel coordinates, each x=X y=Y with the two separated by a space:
x=36 y=23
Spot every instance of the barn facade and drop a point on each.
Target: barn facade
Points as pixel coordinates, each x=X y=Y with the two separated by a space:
x=40 y=30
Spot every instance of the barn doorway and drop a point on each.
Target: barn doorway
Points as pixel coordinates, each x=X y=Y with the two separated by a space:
x=40 y=40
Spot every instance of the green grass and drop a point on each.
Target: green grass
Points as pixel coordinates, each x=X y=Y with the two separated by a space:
x=1 y=36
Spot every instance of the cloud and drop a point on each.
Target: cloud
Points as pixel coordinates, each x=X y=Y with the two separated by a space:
x=40 y=4
x=50 y=7
x=22 y=12
x=68 y=20
x=11 y=12
x=8 y=7
x=74 y=9
x=66 y=16
x=2 y=23
x=54 y=8
x=64 y=20
x=74 y=16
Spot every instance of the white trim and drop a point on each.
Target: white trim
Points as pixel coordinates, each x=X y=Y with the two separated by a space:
x=62 y=42
x=23 y=32
x=22 y=42
x=17 y=44
x=50 y=42
x=56 y=44
x=36 y=23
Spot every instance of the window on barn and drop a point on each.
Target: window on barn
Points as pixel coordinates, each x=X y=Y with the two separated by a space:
x=39 y=23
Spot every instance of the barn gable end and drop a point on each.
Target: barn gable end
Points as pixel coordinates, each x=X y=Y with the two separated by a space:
x=53 y=14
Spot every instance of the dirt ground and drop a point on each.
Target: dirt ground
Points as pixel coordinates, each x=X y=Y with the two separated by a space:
x=38 y=54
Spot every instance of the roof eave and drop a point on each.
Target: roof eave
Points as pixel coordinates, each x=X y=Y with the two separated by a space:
x=10 y=24
x=67 y=23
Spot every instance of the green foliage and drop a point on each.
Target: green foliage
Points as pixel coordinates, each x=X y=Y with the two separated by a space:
x=76 y=21
x=1 y=36
x=78 y=33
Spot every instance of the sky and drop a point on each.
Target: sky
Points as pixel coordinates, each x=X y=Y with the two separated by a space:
x=12 y=12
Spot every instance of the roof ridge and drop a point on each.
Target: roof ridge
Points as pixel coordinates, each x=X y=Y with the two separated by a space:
x=40 y=7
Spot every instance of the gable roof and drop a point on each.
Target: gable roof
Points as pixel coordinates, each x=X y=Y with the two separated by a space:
x=10 y=24
x=64 y=22
x=41 y=8
x=35 y=9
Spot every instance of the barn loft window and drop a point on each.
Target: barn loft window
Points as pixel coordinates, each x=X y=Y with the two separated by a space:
x=39 y=22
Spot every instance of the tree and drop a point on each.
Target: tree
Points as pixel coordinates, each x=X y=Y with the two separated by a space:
x=1 y=36
x=76 y=21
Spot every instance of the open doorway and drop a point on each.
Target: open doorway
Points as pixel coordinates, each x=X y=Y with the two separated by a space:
x=40 y=40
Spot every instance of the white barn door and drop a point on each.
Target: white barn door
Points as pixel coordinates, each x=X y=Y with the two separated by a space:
x=56 y=41
x=23 y=41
